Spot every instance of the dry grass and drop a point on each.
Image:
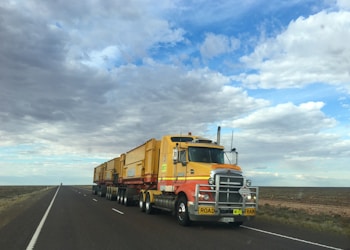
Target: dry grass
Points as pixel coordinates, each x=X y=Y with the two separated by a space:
x=86 y=187
x=323 y=209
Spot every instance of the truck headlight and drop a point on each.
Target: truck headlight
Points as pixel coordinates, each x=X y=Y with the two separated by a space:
x=203 y=197
x=248 y=183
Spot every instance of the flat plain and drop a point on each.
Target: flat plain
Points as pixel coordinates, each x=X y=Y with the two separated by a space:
x=319 y=208
x=15 y=199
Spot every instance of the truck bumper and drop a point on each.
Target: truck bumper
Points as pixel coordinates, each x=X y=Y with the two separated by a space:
x=224 y=217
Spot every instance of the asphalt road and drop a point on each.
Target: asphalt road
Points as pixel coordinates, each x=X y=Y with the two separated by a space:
x=80 y=220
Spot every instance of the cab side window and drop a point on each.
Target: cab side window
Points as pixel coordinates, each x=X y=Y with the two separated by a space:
x=182 y=156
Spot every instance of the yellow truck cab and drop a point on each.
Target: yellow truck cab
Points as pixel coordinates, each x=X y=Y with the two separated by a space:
x=197 y=185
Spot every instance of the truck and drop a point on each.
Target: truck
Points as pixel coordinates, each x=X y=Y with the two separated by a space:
x=191 y=177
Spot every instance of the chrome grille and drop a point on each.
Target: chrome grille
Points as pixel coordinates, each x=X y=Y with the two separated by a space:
x=228 y=187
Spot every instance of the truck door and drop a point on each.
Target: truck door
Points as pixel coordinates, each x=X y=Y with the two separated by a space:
x=181 y=167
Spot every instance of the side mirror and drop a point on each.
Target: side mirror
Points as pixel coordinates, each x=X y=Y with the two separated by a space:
x=175 y=155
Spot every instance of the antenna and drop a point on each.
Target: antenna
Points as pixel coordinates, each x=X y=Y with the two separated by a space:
x=233 y=150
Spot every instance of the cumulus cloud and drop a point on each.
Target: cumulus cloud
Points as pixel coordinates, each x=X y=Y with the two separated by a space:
x=287 y=119
x=310 y=50
x=293 y=136
x=287 y=128
x=95 y=109
x=215 y=45
x=343 y=4
x=94 y=29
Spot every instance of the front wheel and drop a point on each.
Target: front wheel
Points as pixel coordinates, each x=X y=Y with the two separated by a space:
x=182 y=211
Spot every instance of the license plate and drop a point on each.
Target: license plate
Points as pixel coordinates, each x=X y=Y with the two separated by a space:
x=249 y=212
x=237 y=211
x=203 y=210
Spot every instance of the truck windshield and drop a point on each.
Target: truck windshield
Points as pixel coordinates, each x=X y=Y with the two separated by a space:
x=209 y=155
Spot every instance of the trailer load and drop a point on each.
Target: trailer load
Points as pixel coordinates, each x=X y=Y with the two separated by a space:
x=184 y=174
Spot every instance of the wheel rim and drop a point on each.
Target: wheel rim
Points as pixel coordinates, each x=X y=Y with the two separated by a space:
x=122 y=197
x=148 y=203
x=141 y=202
x=182 y=211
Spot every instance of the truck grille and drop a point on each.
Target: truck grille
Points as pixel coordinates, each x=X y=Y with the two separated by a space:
x=226 y=194
x=227 y=188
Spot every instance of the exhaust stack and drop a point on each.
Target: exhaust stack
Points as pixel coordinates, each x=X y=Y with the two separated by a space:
x=218 y=135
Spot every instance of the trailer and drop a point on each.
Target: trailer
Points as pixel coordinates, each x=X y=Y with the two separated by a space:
x=99 y=179
x=185 y=175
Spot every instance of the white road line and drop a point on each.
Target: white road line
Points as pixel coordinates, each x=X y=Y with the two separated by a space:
x=94 y=200
x=291 y=238
x=38 y=230
x=116 y=210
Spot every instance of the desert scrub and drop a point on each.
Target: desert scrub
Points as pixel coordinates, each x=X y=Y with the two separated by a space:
x=300 y=217
x=308 y=195
x=10 y=195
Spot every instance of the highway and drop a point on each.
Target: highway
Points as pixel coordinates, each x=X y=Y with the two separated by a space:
x=79 y=220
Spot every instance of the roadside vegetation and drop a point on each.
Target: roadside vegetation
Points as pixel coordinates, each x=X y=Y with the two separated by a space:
x=322 y=209
x=14 y=199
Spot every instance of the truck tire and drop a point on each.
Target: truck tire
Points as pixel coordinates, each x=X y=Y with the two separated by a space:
x=148 y=205
x=113 y=197
x=122 y=194
x=119 y=196
x=182 y=211
x=126 y=198
x=142 y=205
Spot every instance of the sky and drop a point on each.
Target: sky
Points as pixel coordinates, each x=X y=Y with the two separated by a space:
x=83 y=81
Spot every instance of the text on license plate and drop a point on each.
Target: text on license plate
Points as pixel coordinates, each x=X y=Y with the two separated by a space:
x=247 y=212
x=206 y=210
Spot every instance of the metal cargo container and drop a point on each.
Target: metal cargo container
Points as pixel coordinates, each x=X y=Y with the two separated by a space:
x=141 y=163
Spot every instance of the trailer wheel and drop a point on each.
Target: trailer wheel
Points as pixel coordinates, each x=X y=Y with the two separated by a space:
x=182 y=211
x=113 y=197
x=119 y=197
x=148 y=206
x=142 y=205
x=126 y=198
x=122 y=195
